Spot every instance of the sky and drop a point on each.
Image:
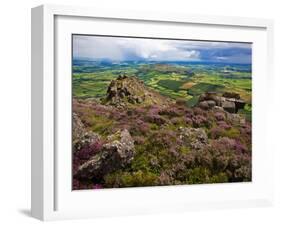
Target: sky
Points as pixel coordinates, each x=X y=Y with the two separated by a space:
x=142 y=49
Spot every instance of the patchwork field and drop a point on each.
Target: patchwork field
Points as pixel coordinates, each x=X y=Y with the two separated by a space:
x=184 y=81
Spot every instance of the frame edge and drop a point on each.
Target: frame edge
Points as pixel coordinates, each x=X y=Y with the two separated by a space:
x=37 y=179
x=42 y=194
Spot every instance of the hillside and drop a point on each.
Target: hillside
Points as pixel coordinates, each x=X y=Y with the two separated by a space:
x=135 y=136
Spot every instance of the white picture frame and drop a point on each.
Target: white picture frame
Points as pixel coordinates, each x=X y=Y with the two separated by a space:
x=49 y=198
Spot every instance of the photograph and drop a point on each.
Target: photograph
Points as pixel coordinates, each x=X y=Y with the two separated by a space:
x=159 y=112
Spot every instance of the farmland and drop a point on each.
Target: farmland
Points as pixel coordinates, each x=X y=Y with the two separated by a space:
x=176 y=80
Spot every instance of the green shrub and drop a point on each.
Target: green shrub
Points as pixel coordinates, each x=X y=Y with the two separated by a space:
x=131 y=179
x=173 y=85
x=231 y=133
x=198 y=175
x=101 y=124
x=140 y=162
x=219 y=178
x=184 y=149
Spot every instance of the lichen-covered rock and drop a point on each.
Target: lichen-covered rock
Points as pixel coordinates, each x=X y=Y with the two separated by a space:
x=115 y=154
x=236 y=119
x=81 y=137
x=193 y=138
x=87 y=139
x=123 y=143
x=78 y=128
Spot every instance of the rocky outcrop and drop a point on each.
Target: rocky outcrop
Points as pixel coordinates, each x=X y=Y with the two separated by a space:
x=193 y=138
x=230 y=102
x=125 y=88
x=115 y=154
x=129 y=90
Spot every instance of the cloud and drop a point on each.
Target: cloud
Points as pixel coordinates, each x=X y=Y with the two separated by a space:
x=122 y=49
x=96 y=48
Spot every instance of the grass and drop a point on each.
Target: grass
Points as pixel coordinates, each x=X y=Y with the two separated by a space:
x=101 y=124
x=204 y=87
x=173 y=85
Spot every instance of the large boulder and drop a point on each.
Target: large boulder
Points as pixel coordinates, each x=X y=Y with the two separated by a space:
x=207 y=104
x=115 y=154
x=210 y=96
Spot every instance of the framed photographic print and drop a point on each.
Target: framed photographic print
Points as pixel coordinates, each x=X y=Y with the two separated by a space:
x=137 y=113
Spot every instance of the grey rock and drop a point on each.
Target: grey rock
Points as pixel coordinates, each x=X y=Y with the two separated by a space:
x=210 y=96
x=80 y=136
x=229 y=106
x=194 y=138
x=115 y=154
x=207 y=104
x=230 y=102
x=236 y=119
x=211 y=103
x=86 y=139
x=204 y=105
x=78 y=127
x=218 y=108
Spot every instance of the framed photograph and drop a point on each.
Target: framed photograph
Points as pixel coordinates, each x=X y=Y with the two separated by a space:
x=136 y=113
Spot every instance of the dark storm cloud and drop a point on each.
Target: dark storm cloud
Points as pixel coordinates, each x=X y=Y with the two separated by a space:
x=235 y=55
x=121 y=49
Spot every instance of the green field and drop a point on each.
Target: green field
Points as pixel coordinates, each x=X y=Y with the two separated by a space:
x=184 y=81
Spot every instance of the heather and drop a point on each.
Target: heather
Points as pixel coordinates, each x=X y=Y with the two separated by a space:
x=135 y=136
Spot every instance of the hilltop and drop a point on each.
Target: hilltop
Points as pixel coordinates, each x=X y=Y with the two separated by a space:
x=130 y=90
